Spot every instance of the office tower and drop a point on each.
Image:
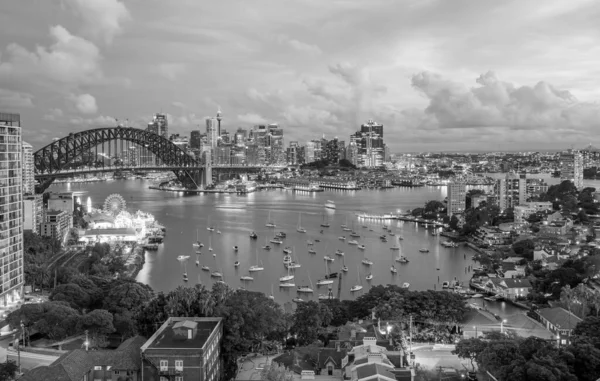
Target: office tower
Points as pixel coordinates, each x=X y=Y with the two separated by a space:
x=11 y=229
x=195 y=139
x=370 y=144
x=275 y=143
x=28 y=179
x=457 y=195
x=292 y=153
x=572 y=167
x=309 y=152
x=224 y=138
x=159 y=125
x=331 y=151
x=241 y=136
x=352 y=152
x=212 y=136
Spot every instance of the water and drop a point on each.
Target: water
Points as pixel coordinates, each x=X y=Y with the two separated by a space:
x=238 y=215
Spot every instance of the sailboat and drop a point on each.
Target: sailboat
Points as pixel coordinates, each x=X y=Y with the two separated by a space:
x=210 y=244
x=271 y=296
x=216 y=274
x=266 y=246
x=182 y=258
x=326 y=280
x=300 y=229
x=197 y=258
x=246 y=278
x=324 y=224
x=294 y=264
x=359 y=286
x=344 y=267
x=306 y=289
x=288 y=277
x=210 y=228
x=311 y=250
x=256 y=267
x=370 y=276
x=345 y=226
x=197 y=244
x=367 y=262
x=205 y=268
x=185 y=276
x=270 y=224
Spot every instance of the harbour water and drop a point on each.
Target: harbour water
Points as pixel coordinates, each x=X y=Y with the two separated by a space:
x=236 y=216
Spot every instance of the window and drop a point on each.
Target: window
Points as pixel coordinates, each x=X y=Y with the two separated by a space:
x=179 y=365
x=178 y=378
x=164 y=365
x=116 y=372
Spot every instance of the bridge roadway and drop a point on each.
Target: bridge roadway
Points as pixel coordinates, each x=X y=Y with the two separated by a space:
x=112 y=168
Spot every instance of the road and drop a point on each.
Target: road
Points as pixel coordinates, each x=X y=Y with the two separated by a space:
x=31 y=360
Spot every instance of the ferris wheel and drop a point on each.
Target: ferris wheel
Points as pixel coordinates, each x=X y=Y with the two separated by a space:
x=114 y=204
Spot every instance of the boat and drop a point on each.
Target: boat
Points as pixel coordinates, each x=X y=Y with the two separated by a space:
x=353 y=242
x=391 y=233
x=281 y=235
x=369 y=277
x=367 y=262
x=276 y=241
x=393 y=270
x=209 y=227
x=197 y=262
x=185 y=277
x=270 y=224
x=405 y=285
x=445 y=284
x=287 y=250
x=305 y=289
x=246 y=278
x=267 y=247
x=235 y=248
x=361 y=247
x=214 y=254
x=395 y=248
x=286 y=278
x=310 y=243
x=293 y=265
x=330 y=204
x=342 y=238
x=382 y=237
x=197 y=244
x=354 y=234
x=271 y=296
x=205 y=268
x=449 y=244
x=317 y=240
x=477 y=296
x=324 y=224
x=287 y=284
x=327 y=258
x=339 y=252
x=424 y=250
x=326 y=280
x=312 y=251
x=297 y=300
x=402 y=259
x=237 y=263
x=400 y=238
x=210 y=244
x=183 y=257
x=345 y=268
x=256 y=267
x=325 y=297
x=300 y=229
x=253 y=235
x=357 y=287
x=218 y=232
x=216 y=274
x=365 y=226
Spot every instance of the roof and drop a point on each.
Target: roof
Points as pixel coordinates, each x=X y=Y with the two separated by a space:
x=55 y=212
x=72 y=365
x=559 y=317
x=167 y=337
x=326 y=355
x=478 y=317
x=517 y=282
x=112 y=231
x=370 y=370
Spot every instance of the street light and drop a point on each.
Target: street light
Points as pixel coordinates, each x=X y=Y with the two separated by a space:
x=475 y=327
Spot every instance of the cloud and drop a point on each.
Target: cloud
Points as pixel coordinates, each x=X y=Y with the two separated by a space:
x=70 y=60
x=170 y=70
x=251 y=118
x=53 y=114
x=84 y=103
x=180 y=105
x=12 y=99
x=494 y=103
x=102 y=19
x=99 y=121
x=298 y=45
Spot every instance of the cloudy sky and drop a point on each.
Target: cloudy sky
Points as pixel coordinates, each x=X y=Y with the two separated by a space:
x=439 y=74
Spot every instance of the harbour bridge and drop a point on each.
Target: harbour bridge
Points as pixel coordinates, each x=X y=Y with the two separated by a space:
x=86 y=152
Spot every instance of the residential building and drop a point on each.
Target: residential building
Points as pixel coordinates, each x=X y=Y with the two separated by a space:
x=371 y=149
x=457 y=193
x=56 y=224
x=28 y=169
x=33 y=212
x=331 y=150
x=11 y=209
x=591 y=156
x=536 y=187
x=558 y=321
x=572 y=167
x=522 y=212
x=312 y=151
x=477 y=200
x=509 y=288
x=123 y=363
x=371 y=361
x=511 y=191
x=184 y=348
x=292 y=153
x=557 y=227
x=491 y=236
x=352 y=152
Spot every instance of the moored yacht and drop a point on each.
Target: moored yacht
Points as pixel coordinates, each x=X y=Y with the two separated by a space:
x=287 y=284
x=353 y=242
x=367 y=262
x=328 y=258
x=339 y=252
x=330 y=204
x=369 y=277
x=393 y=270
x=424 y=250
x=358 y=287
x=361 y=247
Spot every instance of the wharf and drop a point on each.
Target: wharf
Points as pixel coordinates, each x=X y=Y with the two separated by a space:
x=195 y=191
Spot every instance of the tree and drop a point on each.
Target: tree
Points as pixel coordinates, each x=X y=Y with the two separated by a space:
x=309 y=319
x=99 y=323
x=524 y=249
x=8 y=370
x=151 y=315
x=469 y=349
x=56 y=320
x=454 y=222
x=469 y=196
x=590 y=329
x=345 y=163
x=71 y=293
x=434 y=206
x=276 y=372
x=340 y=313
x=586 y=359
x=127 y=295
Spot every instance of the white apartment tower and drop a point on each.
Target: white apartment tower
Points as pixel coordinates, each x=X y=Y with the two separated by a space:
x=457 y=197
x=572 y=167
x=28 y=179
x=11 y=210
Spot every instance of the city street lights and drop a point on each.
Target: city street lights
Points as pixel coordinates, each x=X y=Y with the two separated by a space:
x=502 y=325
x=87 y=341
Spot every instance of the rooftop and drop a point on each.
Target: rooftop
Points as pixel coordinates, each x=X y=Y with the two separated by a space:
x=175 y=333
x=55 y=212
x=559 y=317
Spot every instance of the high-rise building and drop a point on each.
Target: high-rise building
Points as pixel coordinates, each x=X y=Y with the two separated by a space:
x=591 y=156
x=56 y=224
x=33 y=212
x=331 y=151
x=28 y=166
x=370 y=144
x=309 y=152
x=457 y=196
x=511 y=190
x=195 y=139
x=159 y=125
x=212 y=132
x=352 y=152
x=292 y=153
x=240 y=137
x=275 y=143
x=11 y=229
x=572 y=167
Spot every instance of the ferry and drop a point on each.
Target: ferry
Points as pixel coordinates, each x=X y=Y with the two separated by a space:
x=330 y=204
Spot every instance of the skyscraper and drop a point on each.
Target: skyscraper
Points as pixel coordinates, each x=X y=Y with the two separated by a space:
x=369 y=139
x=212 y=130
x=159 y=125
x=572 y=167
x=28 y=179
x=457 y=196
x=195 y=139
x=11 y=230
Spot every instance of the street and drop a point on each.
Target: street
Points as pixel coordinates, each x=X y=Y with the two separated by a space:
x=31 y=360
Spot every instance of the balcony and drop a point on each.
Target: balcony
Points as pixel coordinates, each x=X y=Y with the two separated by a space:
x=170 y=371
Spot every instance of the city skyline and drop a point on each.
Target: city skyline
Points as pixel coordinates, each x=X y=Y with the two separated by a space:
x=440 y=76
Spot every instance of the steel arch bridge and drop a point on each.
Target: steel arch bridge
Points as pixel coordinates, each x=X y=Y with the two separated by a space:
x=59 y=155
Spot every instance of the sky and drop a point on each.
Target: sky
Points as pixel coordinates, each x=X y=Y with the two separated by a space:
x=439 y=75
